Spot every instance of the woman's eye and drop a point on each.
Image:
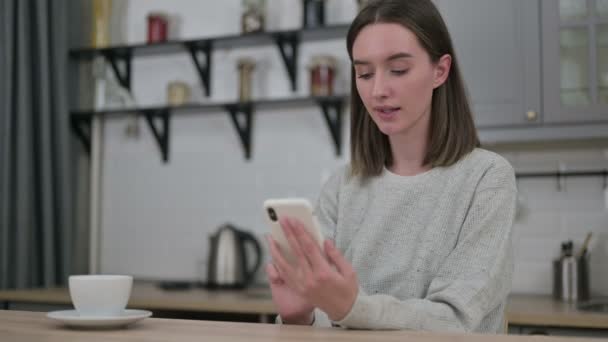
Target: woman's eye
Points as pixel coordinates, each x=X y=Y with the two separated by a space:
x=365 y=76
x=399 y=72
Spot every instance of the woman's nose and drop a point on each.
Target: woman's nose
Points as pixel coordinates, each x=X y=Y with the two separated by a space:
x=380 y=87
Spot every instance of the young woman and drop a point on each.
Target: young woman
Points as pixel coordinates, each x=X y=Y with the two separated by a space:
x=418 y=226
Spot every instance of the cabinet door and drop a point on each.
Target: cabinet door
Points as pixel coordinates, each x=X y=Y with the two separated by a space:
x=575 y=60
x=497 y=43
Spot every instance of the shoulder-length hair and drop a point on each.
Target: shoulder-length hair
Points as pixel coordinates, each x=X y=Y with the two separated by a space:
x=452 y=130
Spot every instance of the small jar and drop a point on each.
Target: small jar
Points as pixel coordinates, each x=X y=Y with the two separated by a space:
x=313 y=13
x=322 y=74
x=158 y=24
x=245 y=67
x=253 y=17
x=178 y=93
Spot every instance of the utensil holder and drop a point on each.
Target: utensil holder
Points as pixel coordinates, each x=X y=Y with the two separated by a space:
x=571 y=279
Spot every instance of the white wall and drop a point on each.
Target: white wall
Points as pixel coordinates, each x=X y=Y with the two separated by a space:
x=156 y=217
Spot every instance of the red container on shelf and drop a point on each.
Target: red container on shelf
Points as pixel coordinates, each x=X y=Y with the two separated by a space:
x=157 y=27
x=322 y=73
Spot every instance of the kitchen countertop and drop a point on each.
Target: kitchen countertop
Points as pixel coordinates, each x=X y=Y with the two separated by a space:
x=529 y=310
x=34 y=326
x=539 y=310
x=151 y=297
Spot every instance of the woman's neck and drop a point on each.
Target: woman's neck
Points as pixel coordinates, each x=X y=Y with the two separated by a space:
x=409 y=153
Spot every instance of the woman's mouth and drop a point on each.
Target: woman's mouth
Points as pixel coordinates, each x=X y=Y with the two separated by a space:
x=385 y=112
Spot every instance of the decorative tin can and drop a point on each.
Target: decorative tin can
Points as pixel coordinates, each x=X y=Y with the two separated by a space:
x=157 y=27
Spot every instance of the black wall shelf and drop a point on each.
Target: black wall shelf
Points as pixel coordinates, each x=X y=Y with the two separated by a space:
x=120 y=58
x=287 y=42
x=332 y=108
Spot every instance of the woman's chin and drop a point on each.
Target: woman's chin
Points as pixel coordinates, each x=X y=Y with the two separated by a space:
x=389 y=130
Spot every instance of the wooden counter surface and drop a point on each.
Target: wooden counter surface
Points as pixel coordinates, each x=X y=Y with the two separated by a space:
x=530 y=310
x=545 y=311
x=148 y=296
x=24 y=326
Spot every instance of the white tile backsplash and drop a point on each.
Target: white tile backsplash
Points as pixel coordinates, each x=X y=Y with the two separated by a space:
x=553 y=215
x=532 y=277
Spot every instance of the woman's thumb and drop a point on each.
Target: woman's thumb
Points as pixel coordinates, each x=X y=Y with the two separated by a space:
x=273 y=274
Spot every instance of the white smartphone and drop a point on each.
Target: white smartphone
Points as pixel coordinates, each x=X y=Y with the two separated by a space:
x=296 y=208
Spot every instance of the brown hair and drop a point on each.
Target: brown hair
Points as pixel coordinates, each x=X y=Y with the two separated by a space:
x=452 y=130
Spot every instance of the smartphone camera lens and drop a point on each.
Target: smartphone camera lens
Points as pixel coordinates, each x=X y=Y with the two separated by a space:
x=272 y=214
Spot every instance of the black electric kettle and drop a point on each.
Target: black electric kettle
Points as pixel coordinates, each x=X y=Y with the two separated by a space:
x=229 y=259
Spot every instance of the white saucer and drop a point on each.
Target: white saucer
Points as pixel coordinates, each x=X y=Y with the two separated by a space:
x=73 y=319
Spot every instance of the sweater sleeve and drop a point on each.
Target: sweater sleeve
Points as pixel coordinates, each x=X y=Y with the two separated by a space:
x=474 y=280
x=326 y=209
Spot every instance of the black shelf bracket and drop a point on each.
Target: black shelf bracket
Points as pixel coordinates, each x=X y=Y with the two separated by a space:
x=124 y=56
x=288 y=47
x=243 y=126
x=204 y=69
x=333 y=113
x=160 y=135
x=81 y=125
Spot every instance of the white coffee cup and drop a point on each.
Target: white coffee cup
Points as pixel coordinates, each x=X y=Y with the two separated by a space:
x=100 y=295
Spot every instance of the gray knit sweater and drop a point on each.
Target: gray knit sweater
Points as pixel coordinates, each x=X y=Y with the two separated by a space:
x=431 y=251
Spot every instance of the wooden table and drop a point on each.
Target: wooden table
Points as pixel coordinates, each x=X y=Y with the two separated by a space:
x=24 y=326
x=527 y=310
x=146 y=295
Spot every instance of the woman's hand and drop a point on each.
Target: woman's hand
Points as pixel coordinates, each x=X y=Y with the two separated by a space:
x=293 y=308
x=325 y=279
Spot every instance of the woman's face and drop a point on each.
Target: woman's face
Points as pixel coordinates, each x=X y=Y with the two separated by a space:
x=395 y=78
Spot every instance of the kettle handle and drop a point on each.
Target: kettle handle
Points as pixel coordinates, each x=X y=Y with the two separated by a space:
x=248 y=237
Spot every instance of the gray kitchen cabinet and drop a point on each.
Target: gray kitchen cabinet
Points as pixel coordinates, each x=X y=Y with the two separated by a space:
x=575 y=60
x=497 y=44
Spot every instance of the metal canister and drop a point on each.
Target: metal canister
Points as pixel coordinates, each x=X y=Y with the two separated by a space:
x=571 y=279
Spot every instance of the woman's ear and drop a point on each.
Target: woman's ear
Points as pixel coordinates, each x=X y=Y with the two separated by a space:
x=442 y=70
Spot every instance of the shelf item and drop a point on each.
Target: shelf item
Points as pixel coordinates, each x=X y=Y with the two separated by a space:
x=158 y=119
x=200 y=50
x=322 y=75
x=178 y=93
x=100 y=36
x=245 y=66
x=254 y=16
x=313 y=13
x=158 y=27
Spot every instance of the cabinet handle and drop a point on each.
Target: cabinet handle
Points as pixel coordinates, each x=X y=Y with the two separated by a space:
x=531 y=115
